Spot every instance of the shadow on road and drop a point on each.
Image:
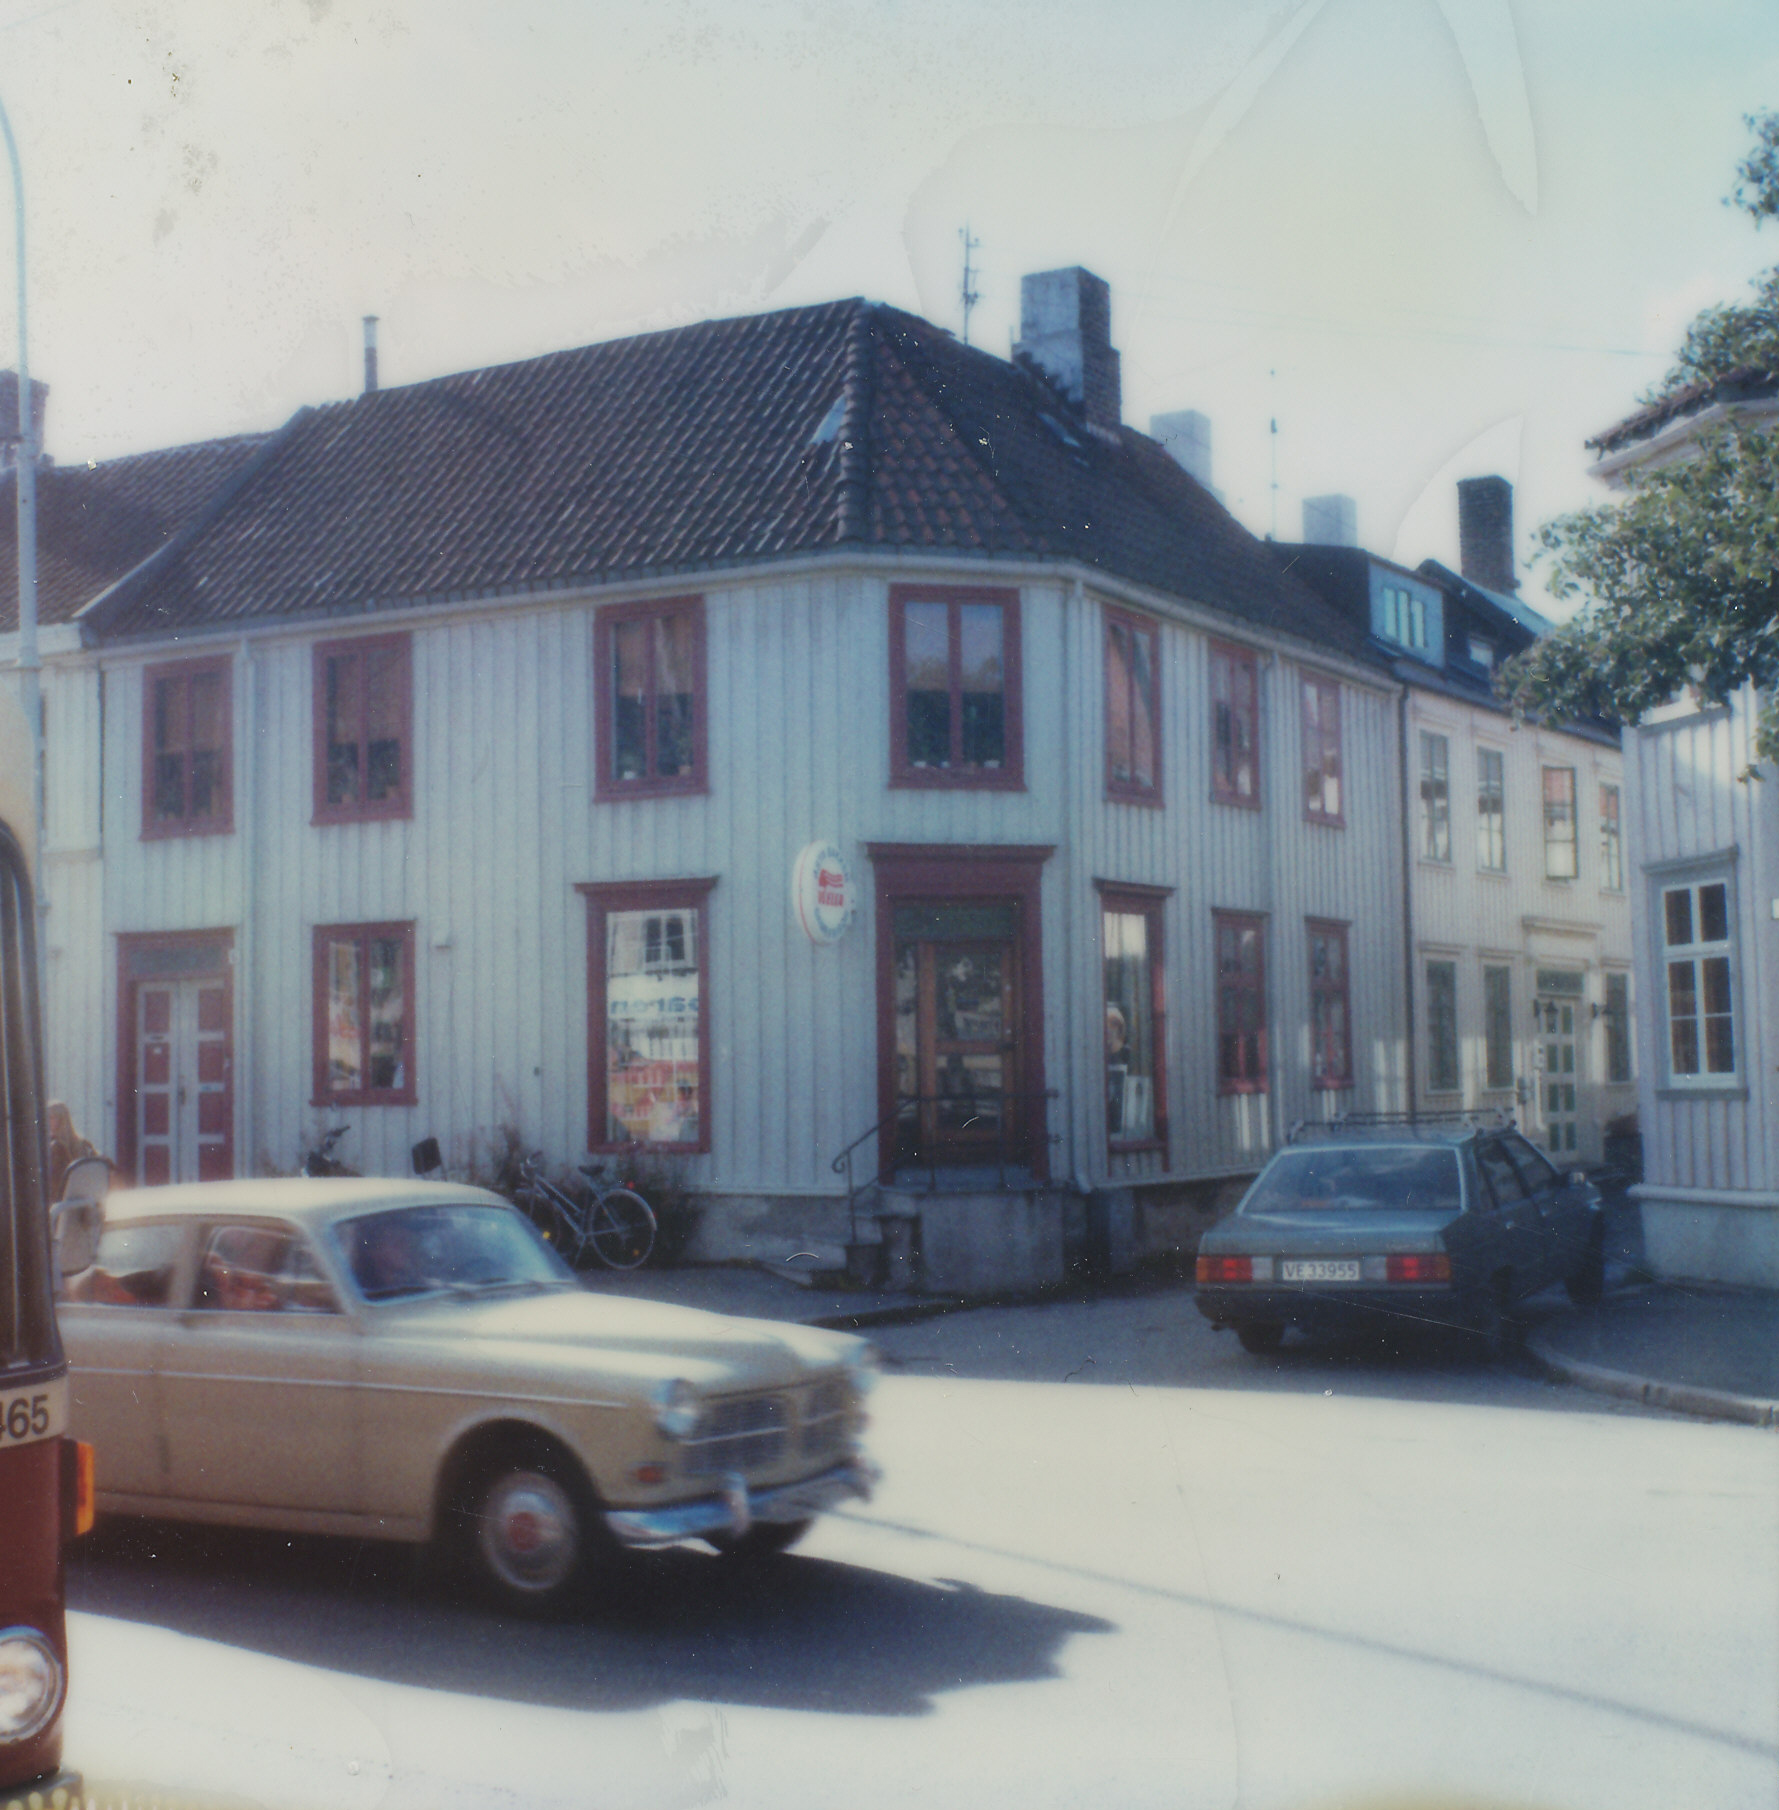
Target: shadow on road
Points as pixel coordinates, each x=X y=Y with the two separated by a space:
x=796 y=1633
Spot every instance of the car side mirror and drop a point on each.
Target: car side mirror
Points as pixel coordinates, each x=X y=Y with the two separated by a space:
x=74 y=1228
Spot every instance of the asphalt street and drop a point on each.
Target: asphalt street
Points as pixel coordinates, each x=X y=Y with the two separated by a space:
x=1115 y=1561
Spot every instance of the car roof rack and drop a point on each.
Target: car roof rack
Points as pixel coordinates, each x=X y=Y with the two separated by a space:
x=1493 y=1118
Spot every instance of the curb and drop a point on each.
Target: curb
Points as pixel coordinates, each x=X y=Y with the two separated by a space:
x=1683 y=1398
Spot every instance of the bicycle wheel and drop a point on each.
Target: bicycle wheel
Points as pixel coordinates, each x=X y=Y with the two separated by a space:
x=621 y=1229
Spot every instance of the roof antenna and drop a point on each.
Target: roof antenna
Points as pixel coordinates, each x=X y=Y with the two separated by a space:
x=1272 y=533
x=968 y=290
x=370 y=353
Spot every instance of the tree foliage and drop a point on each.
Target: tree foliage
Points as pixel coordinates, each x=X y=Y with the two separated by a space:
x=1681 y=579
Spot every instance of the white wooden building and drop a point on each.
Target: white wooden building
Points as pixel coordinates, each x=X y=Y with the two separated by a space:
x=439 y=767
x=1703 y=834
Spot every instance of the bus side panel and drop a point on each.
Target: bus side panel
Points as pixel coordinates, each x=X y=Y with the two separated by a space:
x=31 y=1581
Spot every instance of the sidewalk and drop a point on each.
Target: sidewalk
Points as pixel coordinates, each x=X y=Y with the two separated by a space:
x=760 y=1293
x=1694 y=1347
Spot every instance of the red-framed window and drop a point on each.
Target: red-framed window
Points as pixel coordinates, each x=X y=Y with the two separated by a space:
x=648 y=1016
x=650 y=706
x=1331 y=1009
x=1323 y=797
x=955 y=705
x=364 y=1015
x=1235 y=726
x=187 y=748
x=364 y=710
x=1241 y=1002
x=1133 y=708
x=1136 y=1017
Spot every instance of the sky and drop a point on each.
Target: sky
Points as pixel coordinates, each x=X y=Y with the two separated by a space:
x=1428 y=238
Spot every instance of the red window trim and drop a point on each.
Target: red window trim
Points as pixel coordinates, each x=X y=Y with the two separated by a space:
x=1147 y=902
x=321 y=1095
x=223 y=823
x=1239 y=920
x=607 y=788
x=643 y=895
x=1316 y=738
x=1010 y=775
x=1133 y=791
x=388 y=809
x=1336 y=929
x=1229 y=654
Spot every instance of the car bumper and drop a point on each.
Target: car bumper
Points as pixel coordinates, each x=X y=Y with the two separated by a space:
x=1320 y=1308
x=738 y=1507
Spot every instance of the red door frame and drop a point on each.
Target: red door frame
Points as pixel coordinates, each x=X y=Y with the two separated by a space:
x=1005 y=874
x=129 y=946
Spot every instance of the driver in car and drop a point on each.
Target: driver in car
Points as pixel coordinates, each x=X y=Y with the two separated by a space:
x=387 y=1261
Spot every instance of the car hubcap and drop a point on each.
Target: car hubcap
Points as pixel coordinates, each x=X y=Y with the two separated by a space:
x=529 y=1533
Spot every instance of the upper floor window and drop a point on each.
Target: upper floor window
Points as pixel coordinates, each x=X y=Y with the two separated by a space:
x=954 y=687
x=1698 y=958
x=1491 y=811
x=1436 y=797
x=1321 y=751
x=1482 y=653
x=1241 y=1003
x=650 y=705
x=1404 y=617
x=364 y=1015
x=186 y=752
x=364 y=707
x=1133 y=709
x=1331 y=1014
x=1136 y=1083
x=1561 y=849
x=1612 y=848
x=1235 y=726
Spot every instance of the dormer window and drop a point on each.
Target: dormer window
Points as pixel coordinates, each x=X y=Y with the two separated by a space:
x=1482 y=653
x=1404 y=617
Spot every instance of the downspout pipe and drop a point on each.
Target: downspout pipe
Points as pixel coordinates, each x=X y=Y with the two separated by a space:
x=1411 y=1060
x=1074 y=610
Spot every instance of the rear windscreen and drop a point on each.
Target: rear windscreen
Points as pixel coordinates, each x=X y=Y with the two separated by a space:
x=1372 y=1178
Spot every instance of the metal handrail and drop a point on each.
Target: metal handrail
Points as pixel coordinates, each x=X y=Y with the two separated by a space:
x=843 y=1163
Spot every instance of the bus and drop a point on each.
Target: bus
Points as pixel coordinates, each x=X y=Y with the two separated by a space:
x=45 y=1479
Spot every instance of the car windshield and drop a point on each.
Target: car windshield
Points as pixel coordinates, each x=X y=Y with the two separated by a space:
x=461 y=1249
x=1390 y=1178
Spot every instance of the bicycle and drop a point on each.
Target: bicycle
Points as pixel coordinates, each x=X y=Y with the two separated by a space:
x=617 y=1224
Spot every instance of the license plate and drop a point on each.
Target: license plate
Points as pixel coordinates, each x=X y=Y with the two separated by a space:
x=30 y=1414
x=1319 y=1269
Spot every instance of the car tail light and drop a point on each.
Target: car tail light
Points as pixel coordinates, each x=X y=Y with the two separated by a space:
x=1433 y=1266
x=1226 y=1269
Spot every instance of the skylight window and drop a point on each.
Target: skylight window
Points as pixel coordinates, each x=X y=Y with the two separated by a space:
x=831 y=423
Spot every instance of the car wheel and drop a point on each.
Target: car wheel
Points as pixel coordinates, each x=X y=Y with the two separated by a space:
x=1586 y=1283
x=764 y=1540
x=1261 y=1335
x=528 y=1535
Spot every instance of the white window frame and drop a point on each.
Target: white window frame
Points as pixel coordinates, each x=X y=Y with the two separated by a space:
x=1487 y=844
x=1695 y=956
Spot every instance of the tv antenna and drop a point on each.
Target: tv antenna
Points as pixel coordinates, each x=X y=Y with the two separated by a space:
x=967 y=290
x=1272 y=532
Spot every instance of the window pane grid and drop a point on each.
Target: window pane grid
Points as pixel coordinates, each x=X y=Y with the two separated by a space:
x=1135 y=1078
x=1241 y=1004
x=1442 y=1027
x=1321 y=750
x=1235 y=696
x=1498 y=1028
x=1699 y=981
x=1612 y=871
x=1331 y=1059
x=1436 y=799
x=1491 y=811
x=363 y=1015
x=1561 y=850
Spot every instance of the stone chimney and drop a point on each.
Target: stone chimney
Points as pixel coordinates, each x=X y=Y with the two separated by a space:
x=1485 y=533
x=1186 y=436
x=9 y=417
x=370 y=353
x=1065 y=330
x=1331 y=521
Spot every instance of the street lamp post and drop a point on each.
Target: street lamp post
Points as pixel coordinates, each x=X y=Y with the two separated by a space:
x=29 y=662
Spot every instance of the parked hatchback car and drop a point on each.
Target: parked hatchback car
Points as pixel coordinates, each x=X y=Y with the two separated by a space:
x=1378 y=1224
x=410 y=1361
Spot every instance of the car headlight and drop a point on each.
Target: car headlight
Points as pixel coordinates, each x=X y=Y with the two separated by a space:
x=676 y=1407
x=31 y=1683
x=863 y=1370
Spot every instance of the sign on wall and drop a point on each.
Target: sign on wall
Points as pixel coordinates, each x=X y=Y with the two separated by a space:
x=822 y=892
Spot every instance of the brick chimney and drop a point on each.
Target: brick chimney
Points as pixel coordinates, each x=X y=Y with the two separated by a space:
x=9 y=416
x=1485 y=533
x=1065 y=330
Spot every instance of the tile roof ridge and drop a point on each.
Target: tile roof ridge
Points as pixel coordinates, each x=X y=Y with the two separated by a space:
x=216 y=443
x=94 y=616
x=859 y=389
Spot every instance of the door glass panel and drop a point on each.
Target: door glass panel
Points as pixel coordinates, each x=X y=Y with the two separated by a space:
x=970 y=1001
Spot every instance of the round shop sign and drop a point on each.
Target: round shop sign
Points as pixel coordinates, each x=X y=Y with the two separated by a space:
x=822 y=892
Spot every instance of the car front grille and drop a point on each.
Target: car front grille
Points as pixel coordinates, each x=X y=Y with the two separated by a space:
x=744 y=1433
x=827 y=1413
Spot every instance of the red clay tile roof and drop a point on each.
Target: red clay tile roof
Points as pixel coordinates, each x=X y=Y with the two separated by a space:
x=96 y=523
x=694 y=448
x=1745 y=385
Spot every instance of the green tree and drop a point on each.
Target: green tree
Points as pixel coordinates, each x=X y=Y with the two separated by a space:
x=1680 y=580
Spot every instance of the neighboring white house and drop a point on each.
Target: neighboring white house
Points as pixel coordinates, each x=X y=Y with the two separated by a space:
x=1704 y=842
x=439 y=765
x=1518 y=923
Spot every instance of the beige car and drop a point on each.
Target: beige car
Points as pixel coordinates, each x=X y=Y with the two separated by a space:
x=410 y=1361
